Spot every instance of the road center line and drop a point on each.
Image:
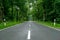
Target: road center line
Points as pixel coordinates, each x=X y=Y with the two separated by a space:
x=29 y=35
x=29 y=25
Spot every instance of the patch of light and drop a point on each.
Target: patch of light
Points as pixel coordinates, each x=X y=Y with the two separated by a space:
x=31 y=8
x=34 y=1
x=30 y=3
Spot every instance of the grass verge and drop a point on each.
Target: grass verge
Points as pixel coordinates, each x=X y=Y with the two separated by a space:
x=51 y=24
x=8 y=24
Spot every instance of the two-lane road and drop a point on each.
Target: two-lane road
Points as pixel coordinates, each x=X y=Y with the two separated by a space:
x=29 y=31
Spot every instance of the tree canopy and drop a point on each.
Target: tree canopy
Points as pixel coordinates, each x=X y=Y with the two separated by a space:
x=19 y=10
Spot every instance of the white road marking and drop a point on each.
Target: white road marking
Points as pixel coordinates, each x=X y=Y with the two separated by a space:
x=29 y=25
x=54 y=28
x=8 y=27
x=29 y=35
x=30 y=21
x=51 y=27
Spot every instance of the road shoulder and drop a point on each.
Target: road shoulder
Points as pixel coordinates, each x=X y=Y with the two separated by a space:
x=48 y=26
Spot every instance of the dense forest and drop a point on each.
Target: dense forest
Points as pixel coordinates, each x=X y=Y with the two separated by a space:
x=13 y=10
x=19 y=10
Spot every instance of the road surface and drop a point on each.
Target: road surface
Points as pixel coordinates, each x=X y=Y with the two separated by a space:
x=29 y=31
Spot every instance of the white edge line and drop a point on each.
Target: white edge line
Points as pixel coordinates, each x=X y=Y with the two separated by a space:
x=8 y=27
x=52 y=27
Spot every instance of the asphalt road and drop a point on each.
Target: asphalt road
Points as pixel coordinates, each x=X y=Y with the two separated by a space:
x=29 y=31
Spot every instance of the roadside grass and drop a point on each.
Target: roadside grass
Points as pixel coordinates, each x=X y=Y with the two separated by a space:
x=8 y=24
x=51 y=24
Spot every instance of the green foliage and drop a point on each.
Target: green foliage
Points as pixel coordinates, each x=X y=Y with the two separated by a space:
x=46 y=10
x=11 y=11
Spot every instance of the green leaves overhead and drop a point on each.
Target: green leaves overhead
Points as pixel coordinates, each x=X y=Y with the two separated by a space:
x=46 y=10
x=14 y=9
